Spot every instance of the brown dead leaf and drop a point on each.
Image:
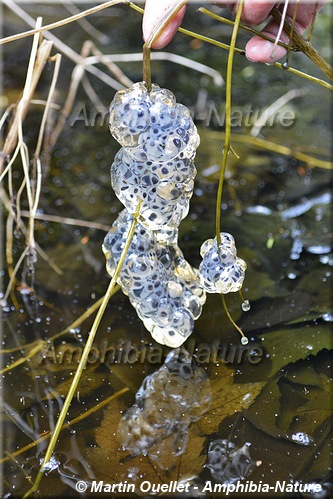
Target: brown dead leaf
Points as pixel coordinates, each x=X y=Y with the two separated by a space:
x=111 y=462
x=228 y=397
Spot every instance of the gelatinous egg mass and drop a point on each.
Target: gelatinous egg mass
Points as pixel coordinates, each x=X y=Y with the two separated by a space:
x=221 y=271
x=154 y=170
x=156 y=162
x=167 y=402
x=161 y=285
x=227 y=463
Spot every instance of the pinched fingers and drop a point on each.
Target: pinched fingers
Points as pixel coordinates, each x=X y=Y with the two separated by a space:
x=254 y=13
x=155 y=12
x=260 y=50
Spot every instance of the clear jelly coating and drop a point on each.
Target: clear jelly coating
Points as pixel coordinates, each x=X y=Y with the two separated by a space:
x=164 y=188
x=163 y=288
x=227 y=463
x=156 y=163
x=167 y=402
x=155 y=170
x=221 y=271
x=166 y=125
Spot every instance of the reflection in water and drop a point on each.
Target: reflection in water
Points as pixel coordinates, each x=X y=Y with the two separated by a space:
x=167 y=402
x=307 y=222
x=227 y=464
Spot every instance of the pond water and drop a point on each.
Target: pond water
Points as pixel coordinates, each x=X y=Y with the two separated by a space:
x=148 y=420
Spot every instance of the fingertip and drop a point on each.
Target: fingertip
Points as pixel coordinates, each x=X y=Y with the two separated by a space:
x=255 y=11
x=260 y=50
x=151 y=20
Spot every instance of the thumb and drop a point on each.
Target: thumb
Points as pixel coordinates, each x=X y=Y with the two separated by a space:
x=155 y=12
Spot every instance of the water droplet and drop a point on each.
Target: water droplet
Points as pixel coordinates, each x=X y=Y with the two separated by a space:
x=301 y=438
x=327 y=317
x=246 y=306
x=244 y=340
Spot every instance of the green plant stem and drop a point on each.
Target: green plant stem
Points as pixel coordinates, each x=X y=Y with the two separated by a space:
x=304 y=45
x=83 y=360
x=315 y=12
x=269 y=145
x=36 y=346
x=224 y=46
x=227 y=140
x=170 y=14
x=146 y=67
x=254 y=32
x=301 y=45
x=60 y=23
x=86 y=414
x=311 y=78
x=290 y=44
x=290 y=69
x=230 y=318
x=206 y=39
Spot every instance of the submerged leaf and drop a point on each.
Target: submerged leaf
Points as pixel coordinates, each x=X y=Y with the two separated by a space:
x=289 y=345
x=228 y=397
x=295 y=405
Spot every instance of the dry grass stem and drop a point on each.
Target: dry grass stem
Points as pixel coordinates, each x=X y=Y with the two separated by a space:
x=85 y=24
x=78 y=75
x=13 y=274
x=68 y=221
x=273 y=108
x=62 y=47
x=283 y=17
x=269 y=145
x=304 y=45
x=315 y=12
x=57 y=59
x=85 y=414
x=165 y=56
x=104 y=59
x=23 y=105
x=15 y=8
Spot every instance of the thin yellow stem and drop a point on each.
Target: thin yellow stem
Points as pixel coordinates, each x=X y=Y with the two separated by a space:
x=315 y=12
x=290 y=44
x=57 y=24
x=244 y=339
x=228 y=85
x=48 y=105
x=269 y=145
x=224 y=46
x=66 y=425
x=254 y=32
x=146 y=67
x=304 y=45
x=170 y=14
x=83 y=360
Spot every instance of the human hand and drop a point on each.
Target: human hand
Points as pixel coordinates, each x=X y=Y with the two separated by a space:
x=254 y=12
